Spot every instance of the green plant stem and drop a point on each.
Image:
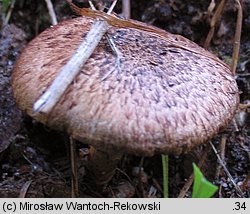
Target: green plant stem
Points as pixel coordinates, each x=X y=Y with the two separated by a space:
x=165 y=169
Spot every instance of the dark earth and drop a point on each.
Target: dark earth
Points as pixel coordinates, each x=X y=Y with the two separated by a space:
x=34 y=160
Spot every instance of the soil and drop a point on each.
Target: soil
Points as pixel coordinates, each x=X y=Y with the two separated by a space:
x=35 y=160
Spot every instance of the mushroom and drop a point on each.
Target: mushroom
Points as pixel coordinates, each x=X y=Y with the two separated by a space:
x=166 y=95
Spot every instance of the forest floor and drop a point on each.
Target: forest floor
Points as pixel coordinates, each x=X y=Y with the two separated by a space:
x=34 y=160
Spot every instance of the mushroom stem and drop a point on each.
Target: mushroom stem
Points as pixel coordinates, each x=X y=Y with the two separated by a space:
x=101 y=166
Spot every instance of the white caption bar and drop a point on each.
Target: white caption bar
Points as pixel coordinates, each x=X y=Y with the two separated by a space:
x=123 y=206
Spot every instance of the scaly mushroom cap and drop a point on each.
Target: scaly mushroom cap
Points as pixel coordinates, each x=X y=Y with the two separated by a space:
x=169 y=95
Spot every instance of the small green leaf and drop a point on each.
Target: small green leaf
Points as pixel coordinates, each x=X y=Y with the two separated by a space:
x=202 y=188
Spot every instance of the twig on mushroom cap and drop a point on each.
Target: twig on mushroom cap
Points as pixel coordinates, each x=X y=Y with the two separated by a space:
x=113 y=47
x=51 y=12
x=49 y=99
x=118 y=57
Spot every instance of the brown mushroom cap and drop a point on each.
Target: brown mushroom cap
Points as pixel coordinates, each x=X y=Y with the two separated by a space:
x=165 y=97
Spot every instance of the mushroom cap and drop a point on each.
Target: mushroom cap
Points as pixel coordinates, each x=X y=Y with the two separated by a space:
x=168 y=96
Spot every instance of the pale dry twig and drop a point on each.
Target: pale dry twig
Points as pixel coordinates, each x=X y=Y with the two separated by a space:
x=69 y=71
